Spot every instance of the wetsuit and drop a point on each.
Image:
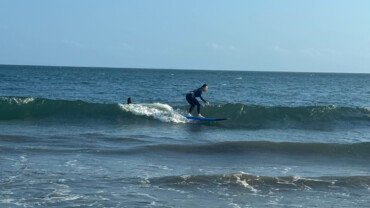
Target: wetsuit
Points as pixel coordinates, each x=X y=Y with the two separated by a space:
x=191 y=98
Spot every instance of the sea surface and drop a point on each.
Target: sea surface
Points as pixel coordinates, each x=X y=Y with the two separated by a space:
x=68 y=139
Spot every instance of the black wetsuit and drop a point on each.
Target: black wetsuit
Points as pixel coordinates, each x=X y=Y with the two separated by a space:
x=191 y=98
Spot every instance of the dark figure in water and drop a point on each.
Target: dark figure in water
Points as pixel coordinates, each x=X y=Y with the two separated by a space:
x=191 y=97
x=129 y=101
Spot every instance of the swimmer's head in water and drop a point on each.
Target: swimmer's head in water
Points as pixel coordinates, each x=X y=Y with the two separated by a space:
x=129 y=101
x=205 y=88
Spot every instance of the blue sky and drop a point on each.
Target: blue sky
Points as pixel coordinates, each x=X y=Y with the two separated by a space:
x=268 y=35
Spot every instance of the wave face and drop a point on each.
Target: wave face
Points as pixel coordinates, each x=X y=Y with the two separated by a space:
x=256 y=183
x=256 y=116
x=13 y=108
x=20 y=108
x=240 y=116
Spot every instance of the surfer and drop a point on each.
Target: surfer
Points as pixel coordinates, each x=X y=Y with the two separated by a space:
x=191 y=97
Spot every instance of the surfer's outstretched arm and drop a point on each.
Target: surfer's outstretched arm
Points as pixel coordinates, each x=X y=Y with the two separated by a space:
x=202 y=99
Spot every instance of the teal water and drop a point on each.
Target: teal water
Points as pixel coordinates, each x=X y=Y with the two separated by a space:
x=68 y=139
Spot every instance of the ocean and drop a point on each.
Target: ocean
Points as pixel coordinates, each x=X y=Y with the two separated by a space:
x=68 y=138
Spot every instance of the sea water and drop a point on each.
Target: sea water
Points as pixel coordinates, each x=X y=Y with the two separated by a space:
x=68 y=139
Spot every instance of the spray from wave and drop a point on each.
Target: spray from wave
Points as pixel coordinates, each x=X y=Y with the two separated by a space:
x=159 y=111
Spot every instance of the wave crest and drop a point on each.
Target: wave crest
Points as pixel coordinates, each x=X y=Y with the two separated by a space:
x=255 y=183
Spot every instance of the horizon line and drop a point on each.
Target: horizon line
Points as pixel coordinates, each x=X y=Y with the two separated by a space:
x=181 y=69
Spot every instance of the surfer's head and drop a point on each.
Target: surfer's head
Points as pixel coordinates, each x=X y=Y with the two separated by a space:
x=204 y=88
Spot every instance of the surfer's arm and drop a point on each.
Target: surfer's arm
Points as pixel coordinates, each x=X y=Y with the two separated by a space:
x=203 y=99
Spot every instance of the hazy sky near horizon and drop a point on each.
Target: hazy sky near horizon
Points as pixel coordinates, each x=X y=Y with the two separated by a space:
x=284 y=35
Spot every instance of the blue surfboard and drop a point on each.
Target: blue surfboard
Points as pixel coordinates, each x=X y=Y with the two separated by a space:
x=204 y=119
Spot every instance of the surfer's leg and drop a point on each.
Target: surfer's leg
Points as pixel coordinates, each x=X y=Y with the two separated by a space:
x=191 y=108
x=191 y=102
x=198 y=106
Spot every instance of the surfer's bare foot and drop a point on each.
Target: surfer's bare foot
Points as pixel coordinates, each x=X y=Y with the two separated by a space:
x=200 y=115
x=189 y=114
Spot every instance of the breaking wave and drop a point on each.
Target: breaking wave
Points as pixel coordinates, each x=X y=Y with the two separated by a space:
x=255 y=183
x=239 y=115
x=23 y=108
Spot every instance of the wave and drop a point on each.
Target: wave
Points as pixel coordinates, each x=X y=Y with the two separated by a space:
x=248 y=147
x=320 y=150
x=23 y=108
x=257 y=183
x=13 y=108
x=240 y=115
x=316 y=117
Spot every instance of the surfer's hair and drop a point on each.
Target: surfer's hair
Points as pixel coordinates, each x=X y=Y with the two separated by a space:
x=204 y=85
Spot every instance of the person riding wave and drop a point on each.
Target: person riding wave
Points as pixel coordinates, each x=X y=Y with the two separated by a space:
x=191 y=97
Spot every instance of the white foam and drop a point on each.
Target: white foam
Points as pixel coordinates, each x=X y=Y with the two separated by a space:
x=176 y=190
x=234 y=205
x=28 y=100
x=61 y=193
x=244 y=182
x=71 y=163
x=159 y=111
x=18 y=100
x=23 y=158
x=7 y=200
x=286 y=170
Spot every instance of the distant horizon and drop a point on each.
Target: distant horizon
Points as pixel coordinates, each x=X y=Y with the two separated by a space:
x=181 y=69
